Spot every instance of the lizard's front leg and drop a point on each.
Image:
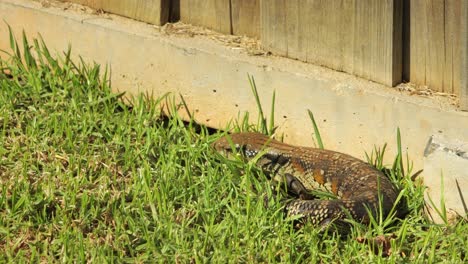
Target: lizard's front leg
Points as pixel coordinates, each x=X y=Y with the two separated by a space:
x=276 y=165
x=293 y=186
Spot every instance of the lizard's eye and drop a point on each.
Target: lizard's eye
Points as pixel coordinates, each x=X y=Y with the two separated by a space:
x=234 y=148
x=238 y=147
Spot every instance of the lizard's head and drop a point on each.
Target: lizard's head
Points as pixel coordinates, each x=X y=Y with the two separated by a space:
x=246 y=144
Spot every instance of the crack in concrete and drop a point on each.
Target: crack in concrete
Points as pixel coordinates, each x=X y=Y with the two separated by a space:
x=432 y=146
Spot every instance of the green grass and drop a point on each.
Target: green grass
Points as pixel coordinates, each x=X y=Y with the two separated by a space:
x=85 y=177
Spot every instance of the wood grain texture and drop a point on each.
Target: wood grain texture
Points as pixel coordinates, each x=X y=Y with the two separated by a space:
x=246 y=17
x=464 y=56
x=435 y=44
x=362 y=37
x=213 y=14
x=152 y=11
x=273 y=30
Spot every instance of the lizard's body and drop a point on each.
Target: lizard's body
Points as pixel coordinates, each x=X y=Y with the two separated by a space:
x=356 y=183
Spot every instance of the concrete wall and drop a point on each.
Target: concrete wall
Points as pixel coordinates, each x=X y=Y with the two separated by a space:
x=353 y=114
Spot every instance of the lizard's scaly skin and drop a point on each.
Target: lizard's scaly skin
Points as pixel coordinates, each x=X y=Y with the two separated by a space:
x=356 y=183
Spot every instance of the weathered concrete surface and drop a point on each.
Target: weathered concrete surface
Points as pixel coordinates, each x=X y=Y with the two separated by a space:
x=446 y=167
x=353 y=114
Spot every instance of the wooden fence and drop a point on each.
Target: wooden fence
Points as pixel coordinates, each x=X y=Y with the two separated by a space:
x=362 y=37
x=387 y=41
x=151 y=11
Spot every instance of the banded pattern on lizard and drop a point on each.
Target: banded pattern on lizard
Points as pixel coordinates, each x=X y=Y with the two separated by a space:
x=356 y=183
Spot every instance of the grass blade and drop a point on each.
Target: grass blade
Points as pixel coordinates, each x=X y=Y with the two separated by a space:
x=30 y=61
x=272 y=127
x=261 y=116
x=14 y=44
x=316 y=130
x=184 y=104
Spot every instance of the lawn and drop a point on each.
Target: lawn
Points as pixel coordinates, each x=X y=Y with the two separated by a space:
x=86 y=177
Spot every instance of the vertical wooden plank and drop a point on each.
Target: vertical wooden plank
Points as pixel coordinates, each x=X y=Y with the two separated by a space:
x=360 y=43
x=303 y=30
x=246 y=17
x=184 y=9
x=453 y=48
x=375 y=34
x=378 y=41
x=331 y=12
x=434 y=44
x=435 y=47
x=327 y=31
x=418 y=33
x=151 y=11
x=310 y=28
x=449 y=39
x=347 y=39
x=321 y=46
x=273 y=32
x=463 y=43
x=294 y=30
x=147 y=11
x=314 y=28
x=213 y=14
x=362 y=37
